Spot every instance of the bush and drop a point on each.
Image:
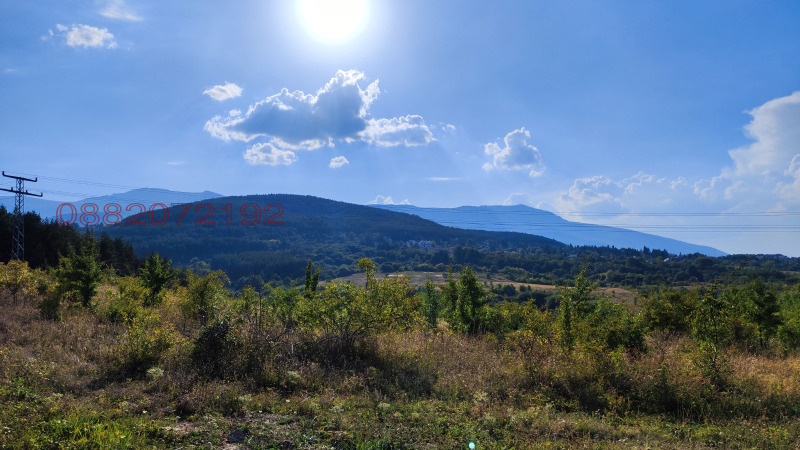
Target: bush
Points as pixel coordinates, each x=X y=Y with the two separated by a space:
x=16 y=279
x=81 y=273
x=213 y=349
x=145 y=341
x=126 y=303
x=204 y=295
x=50 y=305
x=344 y=314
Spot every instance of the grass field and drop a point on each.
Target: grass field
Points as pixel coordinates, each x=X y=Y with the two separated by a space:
x=60 y=388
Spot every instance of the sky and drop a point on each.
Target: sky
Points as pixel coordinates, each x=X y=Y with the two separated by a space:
x=679 y=118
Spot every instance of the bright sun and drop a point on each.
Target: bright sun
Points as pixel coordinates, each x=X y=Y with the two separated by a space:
x=333 y=21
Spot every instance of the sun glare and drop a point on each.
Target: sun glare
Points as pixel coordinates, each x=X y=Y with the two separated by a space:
x=333 y=21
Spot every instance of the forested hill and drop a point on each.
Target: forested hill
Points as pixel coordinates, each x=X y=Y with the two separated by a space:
x=329 y=231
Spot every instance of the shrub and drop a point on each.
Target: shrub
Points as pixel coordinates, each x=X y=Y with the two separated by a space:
x=81 y=273
x=50 y=305
x=204 y=295
x=126 y=302
x=16 y=279
x=145 y=341
x=214 y=349
x=344 y=314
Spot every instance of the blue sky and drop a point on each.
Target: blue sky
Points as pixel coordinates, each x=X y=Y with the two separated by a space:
x=678 y=118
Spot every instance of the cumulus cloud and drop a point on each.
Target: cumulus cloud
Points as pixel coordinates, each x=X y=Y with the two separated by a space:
x=408 y=131
x=761 y=181
x=640 y=192
x=764 y=173
x=337 y=162
x=337 y=112
x=381 y=200
x=223 y=92
x=268 y=155
x=119 y=10
x=295 y=119
x=517 y=154
x=85 y=36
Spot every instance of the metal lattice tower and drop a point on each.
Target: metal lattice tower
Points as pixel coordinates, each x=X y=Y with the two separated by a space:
x=18 y=235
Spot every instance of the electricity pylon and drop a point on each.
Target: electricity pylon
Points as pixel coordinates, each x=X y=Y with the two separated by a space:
x=18 y=236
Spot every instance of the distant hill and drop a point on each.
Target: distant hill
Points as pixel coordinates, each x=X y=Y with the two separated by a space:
x=334 y=233
x=146 y=196
x=524 y=219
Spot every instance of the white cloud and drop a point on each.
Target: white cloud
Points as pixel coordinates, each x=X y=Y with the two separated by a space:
x=295 y=119
x=85 y=36
x=517 y=154
x=408 y=131
x=338 y=112
x=176 y=163
x=443 y=178
x=224 y=92
x=381 y=200
x=641 y=193
x=268 y=155
x=764 y=174
x=761 y=181
x=337 y=162
x=117 y=9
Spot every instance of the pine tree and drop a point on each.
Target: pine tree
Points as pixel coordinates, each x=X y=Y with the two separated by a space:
x=156 y=273
x=81 y=273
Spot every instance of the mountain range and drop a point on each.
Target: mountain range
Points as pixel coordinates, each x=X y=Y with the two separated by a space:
x=524 y=219
x=517 y=219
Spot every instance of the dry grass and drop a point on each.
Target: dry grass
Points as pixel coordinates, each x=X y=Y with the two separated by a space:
x=414 y=389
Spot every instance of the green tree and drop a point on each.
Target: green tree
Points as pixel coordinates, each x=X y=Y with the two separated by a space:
x=789 y=329
x=80 y=273
x=471 y=300
x=156 y=273
x=312 y=279
x=762 y=309
x=450 y=294
x=430 y=304
x=671 y=310
x=710 y=325
x=575 y=303
x=368 y=267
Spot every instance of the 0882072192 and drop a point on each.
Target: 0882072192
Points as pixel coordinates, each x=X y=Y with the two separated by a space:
x=158 y=215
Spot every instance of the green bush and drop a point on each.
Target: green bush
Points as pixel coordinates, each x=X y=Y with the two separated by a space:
x=343 y=314
x=81 y=273
x=204 y=295
x=145 y=342
x=126 y=303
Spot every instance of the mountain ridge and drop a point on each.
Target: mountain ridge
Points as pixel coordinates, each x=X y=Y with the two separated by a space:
x=525 y=219
x=495 y=218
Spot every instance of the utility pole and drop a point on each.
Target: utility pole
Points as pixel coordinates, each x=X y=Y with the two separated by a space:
x=18 y=236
